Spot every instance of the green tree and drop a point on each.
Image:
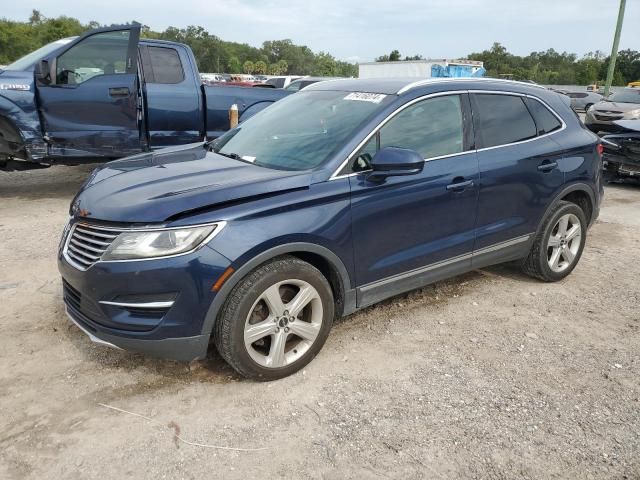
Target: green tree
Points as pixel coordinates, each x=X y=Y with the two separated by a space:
x=234 y=65
x=248 y=67
x=260 y=67
x=283 y=66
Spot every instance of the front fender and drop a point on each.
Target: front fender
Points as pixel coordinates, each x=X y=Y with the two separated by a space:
x=273 y=252
x=20 y=115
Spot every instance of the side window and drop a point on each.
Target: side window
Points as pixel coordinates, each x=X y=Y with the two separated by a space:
x=294 y=86
x=502 y=119
x=545 y=120
x=363 y=159
x=100 y=54
x=433 y=127
x=165 y=65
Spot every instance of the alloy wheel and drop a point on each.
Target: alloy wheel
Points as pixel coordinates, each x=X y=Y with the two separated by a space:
x=564 y=242
x=283 y=323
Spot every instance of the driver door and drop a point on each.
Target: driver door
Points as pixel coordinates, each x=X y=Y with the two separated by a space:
x=89 y=106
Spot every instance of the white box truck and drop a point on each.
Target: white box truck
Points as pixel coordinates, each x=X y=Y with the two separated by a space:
x=421 y=69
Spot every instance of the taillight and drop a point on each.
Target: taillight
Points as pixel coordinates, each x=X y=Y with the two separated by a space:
x=600 y=149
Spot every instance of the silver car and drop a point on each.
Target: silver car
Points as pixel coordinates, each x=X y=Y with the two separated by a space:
x=621 y=105
x=583 y=100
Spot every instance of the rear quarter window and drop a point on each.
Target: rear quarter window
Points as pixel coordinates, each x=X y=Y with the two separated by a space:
x=546 y=121
x=501 y=119
x=164 y=65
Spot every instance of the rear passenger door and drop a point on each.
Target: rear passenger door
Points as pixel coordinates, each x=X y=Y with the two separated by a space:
x=174 y=105
x=519 y=171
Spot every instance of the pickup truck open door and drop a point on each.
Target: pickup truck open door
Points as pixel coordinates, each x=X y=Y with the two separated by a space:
x=88 y=95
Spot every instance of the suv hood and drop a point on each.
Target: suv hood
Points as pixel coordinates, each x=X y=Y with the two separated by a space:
x=155 y=187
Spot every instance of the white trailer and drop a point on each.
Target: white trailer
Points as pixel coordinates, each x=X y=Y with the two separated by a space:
x=421 y=68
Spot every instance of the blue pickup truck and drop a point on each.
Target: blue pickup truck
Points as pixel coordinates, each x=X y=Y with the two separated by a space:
x=108 y=94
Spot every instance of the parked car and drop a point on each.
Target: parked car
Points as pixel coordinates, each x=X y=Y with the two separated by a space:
x=583 y=100
x=331 y=200
x=107 y=95
x=622 y=151
x=282 y=82
x=621 y=105
x=299 y=84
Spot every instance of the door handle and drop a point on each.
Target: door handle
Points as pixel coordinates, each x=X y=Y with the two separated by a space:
x=119 y=92
x=459 y=186
x=547 y=166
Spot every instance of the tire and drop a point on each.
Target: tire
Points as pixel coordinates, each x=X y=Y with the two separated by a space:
x=587 y=107
x=252 y=311
x=551 y=240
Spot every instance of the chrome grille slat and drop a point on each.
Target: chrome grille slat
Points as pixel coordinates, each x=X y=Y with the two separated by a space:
x=88 y=247
x=81 y=260
x=84 y=254
x=87 y=243
x=96 y=232
x=92 y=240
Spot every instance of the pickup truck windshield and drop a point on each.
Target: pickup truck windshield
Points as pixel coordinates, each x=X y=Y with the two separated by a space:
x=30 y=59
x=301 y=131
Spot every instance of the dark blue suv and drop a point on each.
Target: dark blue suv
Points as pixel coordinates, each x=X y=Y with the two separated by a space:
x=328 y=201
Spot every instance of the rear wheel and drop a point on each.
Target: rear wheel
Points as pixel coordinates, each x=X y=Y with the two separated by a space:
x=558 y=247
x=275 y=320
x=588 y=106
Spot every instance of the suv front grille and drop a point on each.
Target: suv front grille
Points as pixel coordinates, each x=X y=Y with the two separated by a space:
x=87 y=243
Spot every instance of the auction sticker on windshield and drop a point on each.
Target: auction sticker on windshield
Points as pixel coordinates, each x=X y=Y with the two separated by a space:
x=365 y=97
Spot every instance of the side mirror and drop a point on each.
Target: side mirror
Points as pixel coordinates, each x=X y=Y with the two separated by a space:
x=394 y=161
x=42 y=72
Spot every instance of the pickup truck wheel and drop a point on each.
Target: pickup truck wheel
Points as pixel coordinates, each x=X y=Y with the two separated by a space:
x=275 y=320
x=558 y=246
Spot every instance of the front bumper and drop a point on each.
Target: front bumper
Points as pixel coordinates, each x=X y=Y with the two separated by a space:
x=175 y=332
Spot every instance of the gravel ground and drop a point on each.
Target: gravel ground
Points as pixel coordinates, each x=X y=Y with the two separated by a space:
x=488 y=375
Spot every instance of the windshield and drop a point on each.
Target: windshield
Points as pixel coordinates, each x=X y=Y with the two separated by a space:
x=30 y=59
x=625 y=97
x=300 y=131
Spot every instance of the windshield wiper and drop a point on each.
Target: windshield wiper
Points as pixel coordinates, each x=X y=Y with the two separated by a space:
x=234 y=156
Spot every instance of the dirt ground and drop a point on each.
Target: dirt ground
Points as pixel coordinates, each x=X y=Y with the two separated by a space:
x=489 y=375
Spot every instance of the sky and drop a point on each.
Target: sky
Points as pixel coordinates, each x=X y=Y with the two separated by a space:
x=359 y=31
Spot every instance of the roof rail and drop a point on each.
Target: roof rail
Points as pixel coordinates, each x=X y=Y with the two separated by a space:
x=428 y=81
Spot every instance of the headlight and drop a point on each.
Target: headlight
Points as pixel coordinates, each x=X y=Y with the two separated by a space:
x=634 y=113
x=140 y=244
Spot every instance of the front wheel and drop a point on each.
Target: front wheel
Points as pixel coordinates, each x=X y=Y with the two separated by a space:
x=275 y=320
x=558 y=246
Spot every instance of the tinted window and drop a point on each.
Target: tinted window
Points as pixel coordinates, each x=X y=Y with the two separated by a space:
x=295 y=86
x=99 y=54
x=545 y=120
x=432 y=127
x=165 y=65
x=501 y=119
x=276 y=82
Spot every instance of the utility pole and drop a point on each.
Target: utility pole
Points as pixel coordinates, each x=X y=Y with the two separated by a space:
x=614 y=50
